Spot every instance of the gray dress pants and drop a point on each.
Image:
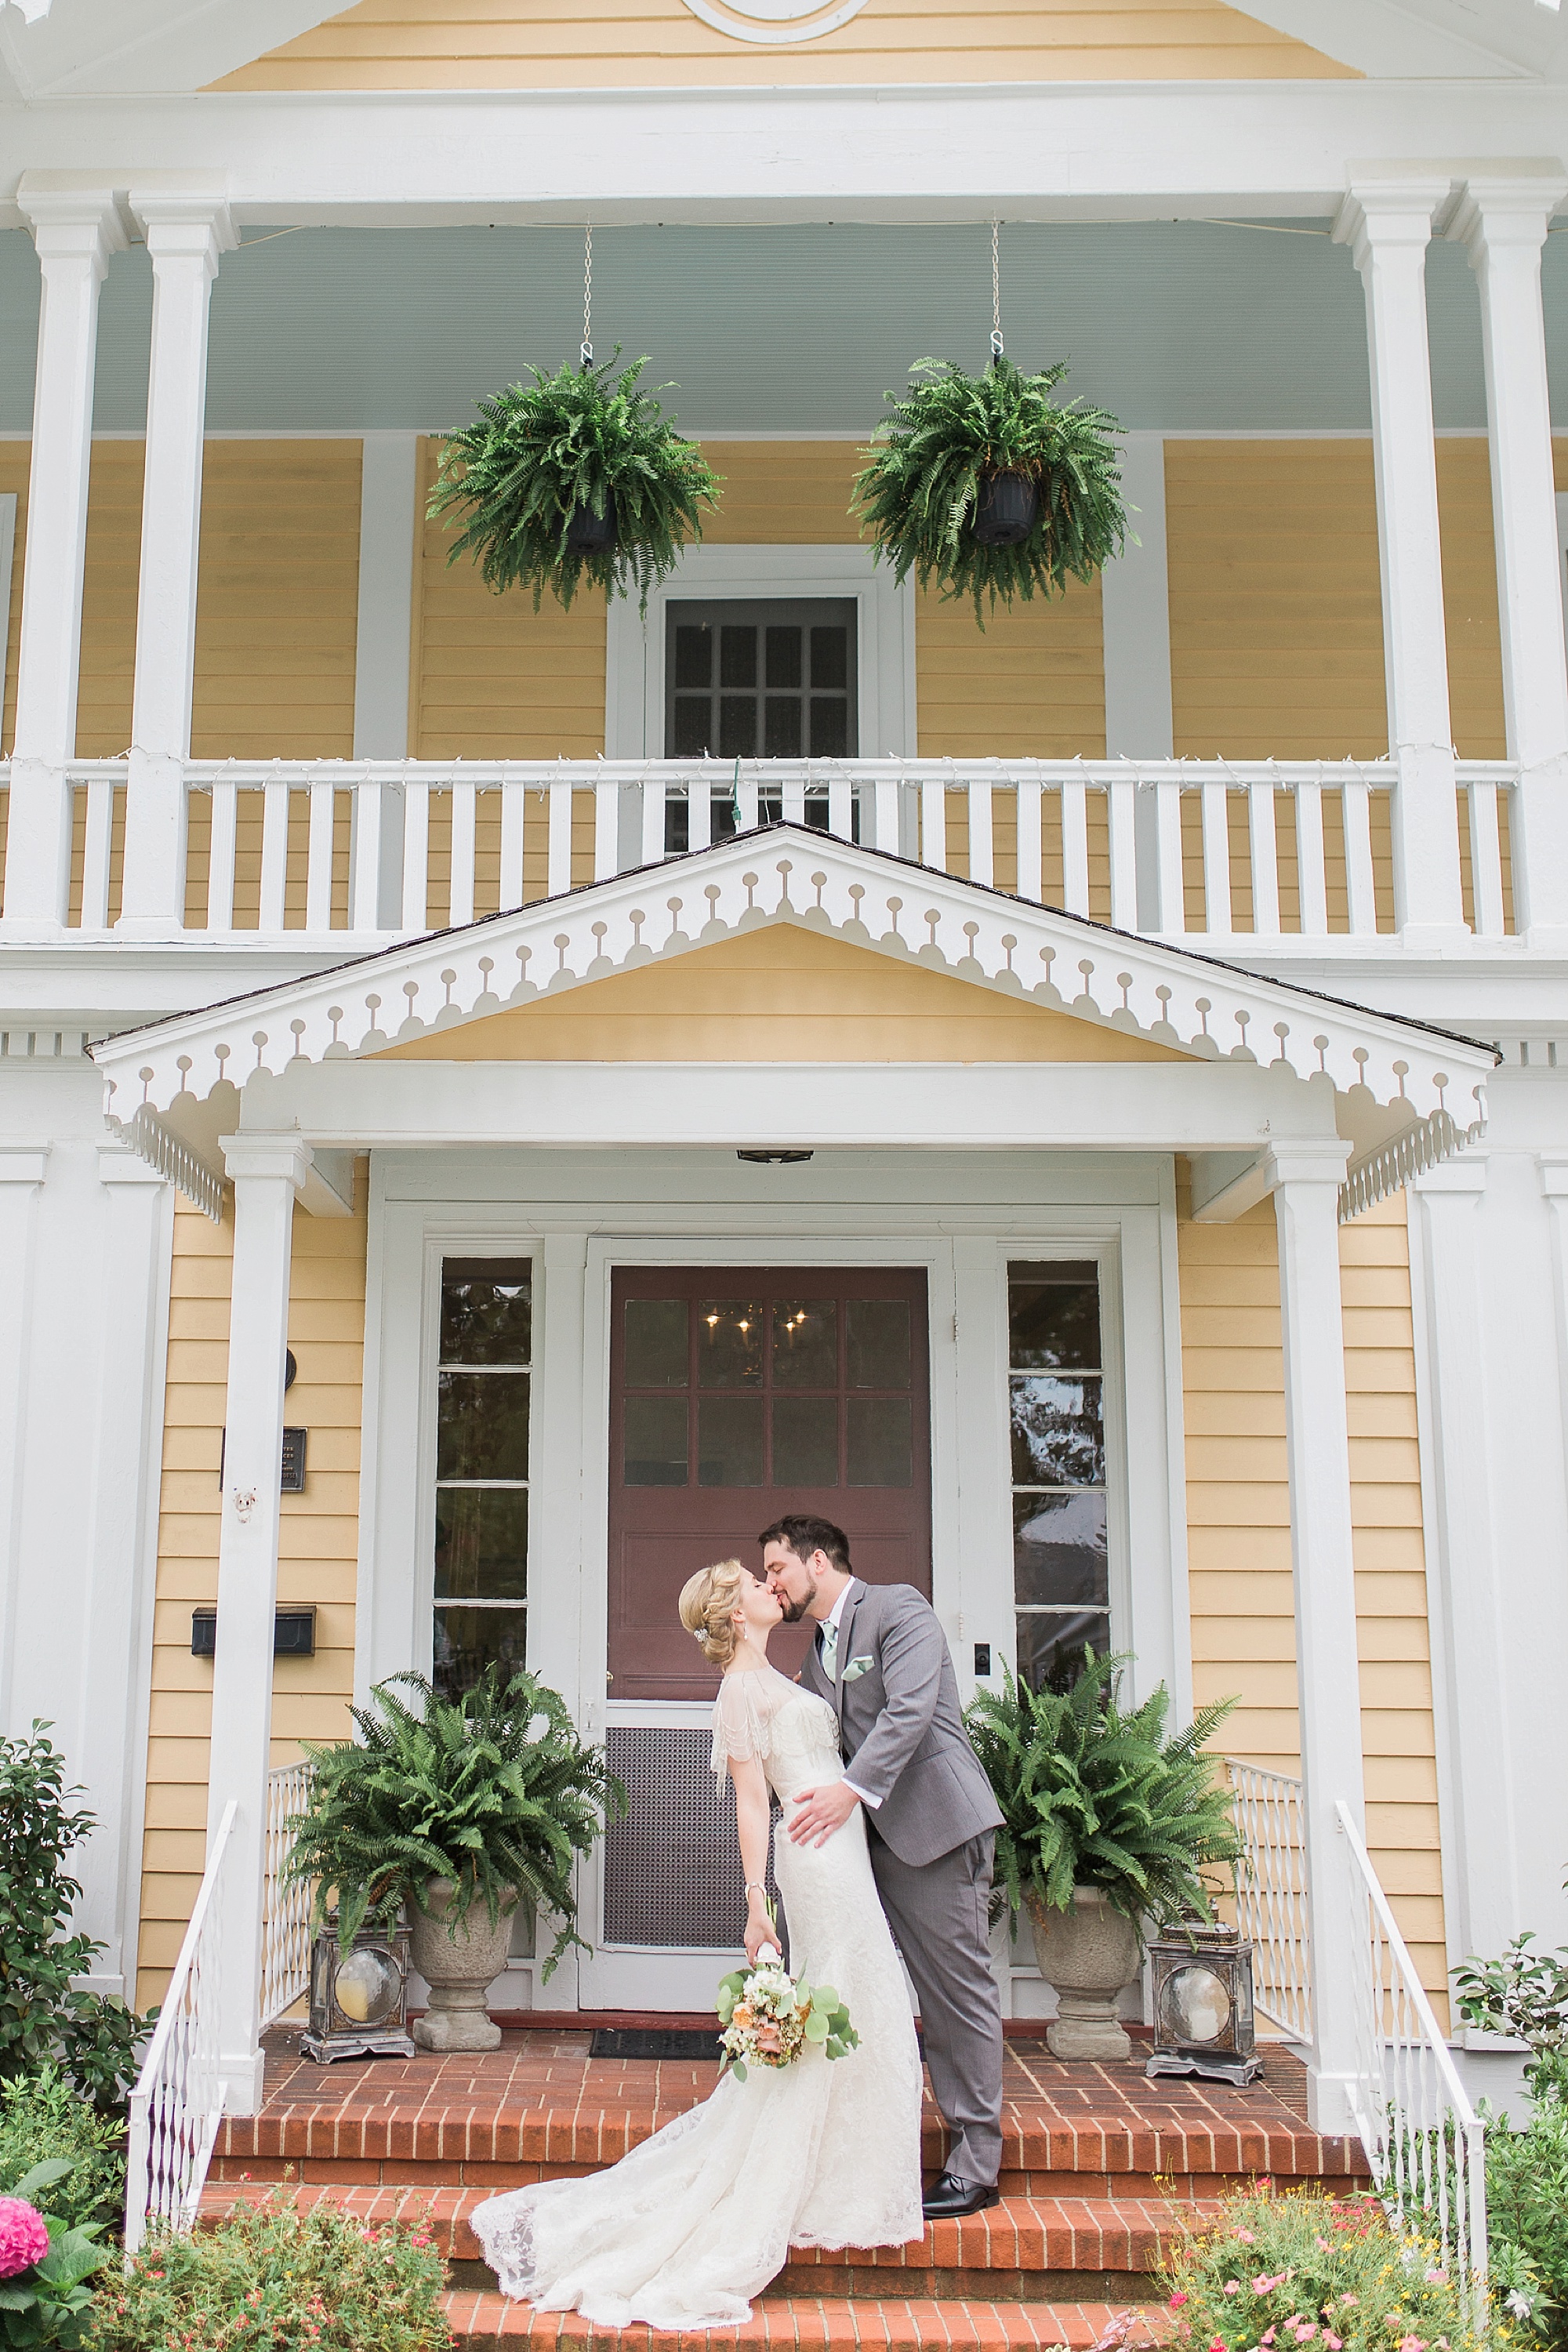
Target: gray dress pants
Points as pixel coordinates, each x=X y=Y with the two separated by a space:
x=938 y=1913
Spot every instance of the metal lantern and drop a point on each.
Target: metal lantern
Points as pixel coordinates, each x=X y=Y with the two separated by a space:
x=358 y=1998
x=1203 y=2006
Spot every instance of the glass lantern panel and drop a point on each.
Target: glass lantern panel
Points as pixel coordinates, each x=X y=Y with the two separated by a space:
x=1194 y=2006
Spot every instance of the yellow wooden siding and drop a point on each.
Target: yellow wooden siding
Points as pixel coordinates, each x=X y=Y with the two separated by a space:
x=1469 y=600
x=1238 y=1530
x=781 y=994
x=1032 y=682
x=318 y=1545
x=109 y=603
x=784 y=493
x=584 y=44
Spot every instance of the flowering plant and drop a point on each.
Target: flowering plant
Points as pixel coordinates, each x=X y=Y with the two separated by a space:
x=44 y=2262
x=767 y=2017
x=1277 y=2273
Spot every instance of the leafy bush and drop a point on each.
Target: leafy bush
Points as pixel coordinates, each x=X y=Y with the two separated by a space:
x=279 y=2279
x=919 y=488
x=1525 y=1994
x=42 y=2120
x=93 y=2039
x=1527 y=2218
x=1276 y=2272
x=493 y=1791
x=572 y=440
x=1091 y=1796
x=44 y=2295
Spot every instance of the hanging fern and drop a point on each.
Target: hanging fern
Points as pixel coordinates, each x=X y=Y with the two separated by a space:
x=919 y=492
x=577 y=440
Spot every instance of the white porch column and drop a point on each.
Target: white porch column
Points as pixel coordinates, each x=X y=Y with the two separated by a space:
x=267 y=1171
x=1503 y=221
x=75 y=231
x=1306 y=1179
x=187 y=229
x=388 y=477
x=1388 y=225
x=22 y=1168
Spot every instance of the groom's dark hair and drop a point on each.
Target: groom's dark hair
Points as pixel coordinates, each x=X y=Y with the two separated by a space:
x=804 y=1535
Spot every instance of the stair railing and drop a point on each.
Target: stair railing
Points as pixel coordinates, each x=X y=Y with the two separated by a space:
x=286 y=1901
x=1271 y=1905
x=178 y=2104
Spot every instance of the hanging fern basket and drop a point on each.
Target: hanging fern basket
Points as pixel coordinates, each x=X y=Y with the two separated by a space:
x=578 y=476
x=989 y=487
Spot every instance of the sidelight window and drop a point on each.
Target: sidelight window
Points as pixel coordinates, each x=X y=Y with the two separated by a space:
x=481 y=1469
x=1057 y=1433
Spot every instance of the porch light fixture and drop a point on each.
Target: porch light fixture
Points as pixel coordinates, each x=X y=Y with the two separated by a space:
x=774 y=1158
x=1203 y=2006
x=359 y=1999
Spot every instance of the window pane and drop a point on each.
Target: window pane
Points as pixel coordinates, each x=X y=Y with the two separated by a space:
x=468 y=1640
x=830 y=657
x=737 y=725
x=1058 y=1438
x=655 y=1440
x=729 y=1343
x=657 y=1338
x=781 y=737
x=1058 y=1548
x=1051 y=1646
x=486 y=1312
x=677 y=824
x=481 y=1543
x=692 y=732
x=737 y=656
x=805 y=1343
x=1054 y=1324
x=805 y=1440
x=722 y=821
x=882 y=1444
x=730 y=1441
x=878 y=1343
x=784 y=657
x=693 y=656
x=829 y=727
x=482 y=1430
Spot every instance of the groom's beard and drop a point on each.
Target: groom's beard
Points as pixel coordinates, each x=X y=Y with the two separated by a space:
x=794 y=1611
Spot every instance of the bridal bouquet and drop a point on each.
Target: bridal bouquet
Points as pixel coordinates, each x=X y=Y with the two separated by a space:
x=768 y=2019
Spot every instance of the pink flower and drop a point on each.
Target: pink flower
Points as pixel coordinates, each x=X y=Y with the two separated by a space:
x=1436 y=2278
x=24 y=2240
x=1177 y=2301
x=1412 y=2344
x=1334 y=2343
x=1245 y=2237
x=1233 y=2286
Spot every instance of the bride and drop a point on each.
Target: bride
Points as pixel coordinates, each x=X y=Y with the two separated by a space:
x=692 y=2223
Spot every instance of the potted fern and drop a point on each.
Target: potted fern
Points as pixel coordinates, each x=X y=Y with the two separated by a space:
x=465 y=1809
x=987 y=487
x=1108 y=1823
x=577 y=475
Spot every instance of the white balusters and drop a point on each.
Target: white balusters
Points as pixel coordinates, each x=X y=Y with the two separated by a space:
x=606 y=831
x=558 y=870
x=1219 y=920
x=1074 y=846
x=1170 y=881
x=415 y=855
x=746 y=800
x=885 y=831
x=1310 y=881
x=794 y=800
x=274 y=853
x=699 y=812
x=365 y=857
x=318 y=859
x=99 y=834
x=933 y=824
x=652 y=798
x=513 y=822
x=1360 y=897
x=841 y=805
x=982 y=855
x=465 y=813
x=222 y=843
x=1122 y=825
x=1265 y=858
x=1486 y=861
x=1029 y=884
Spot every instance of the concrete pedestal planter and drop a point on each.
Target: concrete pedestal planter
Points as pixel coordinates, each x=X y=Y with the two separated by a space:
x=1088 y=1954
x=459 y=1963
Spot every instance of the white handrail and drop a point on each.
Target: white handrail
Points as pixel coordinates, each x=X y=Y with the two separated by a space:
x=285 y=1901
x=178 y=2104
x=1271 y=1905
x=1424 y=2143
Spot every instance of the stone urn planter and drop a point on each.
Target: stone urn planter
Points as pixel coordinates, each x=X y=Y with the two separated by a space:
x=1088 y=1954
x=460 y=1964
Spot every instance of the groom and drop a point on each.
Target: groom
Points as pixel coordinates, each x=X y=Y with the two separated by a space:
x=882 y=1662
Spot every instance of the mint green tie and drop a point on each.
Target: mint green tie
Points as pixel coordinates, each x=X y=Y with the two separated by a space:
x=830 y=1652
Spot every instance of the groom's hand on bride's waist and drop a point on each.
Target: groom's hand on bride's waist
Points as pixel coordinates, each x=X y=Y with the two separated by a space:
x=820 y=1811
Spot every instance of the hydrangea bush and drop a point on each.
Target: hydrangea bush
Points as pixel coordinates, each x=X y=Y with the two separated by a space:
x=45 y=2265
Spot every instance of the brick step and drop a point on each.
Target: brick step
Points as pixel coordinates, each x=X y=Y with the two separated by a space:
x=798 y=2322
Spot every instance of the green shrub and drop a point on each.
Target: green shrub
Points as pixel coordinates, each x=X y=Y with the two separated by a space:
x=1273 y=2272
x=95 y=2041
x=276 y=2278
x=45 y=2299
x=1525 y=1994
x=41 y=2120
x=1527 y=2218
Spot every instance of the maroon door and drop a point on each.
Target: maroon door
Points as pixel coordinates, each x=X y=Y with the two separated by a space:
x=737 y=1395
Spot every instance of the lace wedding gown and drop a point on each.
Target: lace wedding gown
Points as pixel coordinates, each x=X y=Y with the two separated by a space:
x=687 y=2228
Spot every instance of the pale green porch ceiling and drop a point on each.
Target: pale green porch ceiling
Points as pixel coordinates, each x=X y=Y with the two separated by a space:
x=1172 y=325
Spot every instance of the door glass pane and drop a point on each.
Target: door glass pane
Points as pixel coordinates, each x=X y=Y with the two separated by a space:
x=481 y=1543
x=693 y=656
x=692 y=727
x=655 y=1440
x=470 y=1640
x=784 y=657
x=805 y=1440
x=1054 y=1323
x=781 y=735
x=737 y=725
x=878 y=1343
x=730 y=1441
x=486 y=1312
x=738 y=657
x=830 y=657
x=482 y=1429
x=882 y=1447
x=1057 y=1432
x=829 y=727
x=656 y=1336
x=729 y=1343
x=760 y=676
x=805 y=1344
x=1051 y=1643
x=1058 y=1548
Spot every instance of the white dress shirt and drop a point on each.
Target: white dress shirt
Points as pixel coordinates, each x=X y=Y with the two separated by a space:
x=834 y=1618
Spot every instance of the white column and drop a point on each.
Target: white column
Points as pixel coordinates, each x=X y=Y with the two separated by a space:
x=387 y=528
x=1388 y=225
x=1503 y=222
x=267 y=1172
x=22 y=1170
x=75 y=231
x=187 y=230
x=1306 y=1179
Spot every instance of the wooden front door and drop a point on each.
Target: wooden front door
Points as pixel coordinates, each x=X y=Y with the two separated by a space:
x=738 y=1394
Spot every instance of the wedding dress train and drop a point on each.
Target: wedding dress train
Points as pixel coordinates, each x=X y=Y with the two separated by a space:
x=685 y=2229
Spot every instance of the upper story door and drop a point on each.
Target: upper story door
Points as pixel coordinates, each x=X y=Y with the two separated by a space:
x=738 y=1394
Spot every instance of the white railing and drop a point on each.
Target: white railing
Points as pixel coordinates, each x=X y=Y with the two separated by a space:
x=285 y=1901
x=1423 y=2144
x=1271 y=1905
x=178 y=2104
x=1248 y=852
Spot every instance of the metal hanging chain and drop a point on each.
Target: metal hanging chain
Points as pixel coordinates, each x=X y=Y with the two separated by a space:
x=588 y=353
x=995 y=290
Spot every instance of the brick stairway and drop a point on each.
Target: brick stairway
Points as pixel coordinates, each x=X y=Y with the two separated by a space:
x=1101 y=2168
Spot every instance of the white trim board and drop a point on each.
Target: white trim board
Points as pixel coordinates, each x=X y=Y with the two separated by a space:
x=7 y=569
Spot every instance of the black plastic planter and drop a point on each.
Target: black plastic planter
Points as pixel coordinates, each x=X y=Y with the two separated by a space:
x=1005 y=513
x=588 y=533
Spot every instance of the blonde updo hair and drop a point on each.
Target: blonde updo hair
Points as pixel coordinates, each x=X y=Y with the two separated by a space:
x=708 y=1604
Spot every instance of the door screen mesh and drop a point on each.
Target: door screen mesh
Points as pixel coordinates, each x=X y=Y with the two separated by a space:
x=672 y=1867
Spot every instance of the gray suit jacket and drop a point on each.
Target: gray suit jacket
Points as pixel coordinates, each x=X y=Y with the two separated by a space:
x=901 y=1727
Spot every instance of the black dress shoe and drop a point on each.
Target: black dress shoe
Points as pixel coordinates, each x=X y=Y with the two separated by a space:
x=949 y=2199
